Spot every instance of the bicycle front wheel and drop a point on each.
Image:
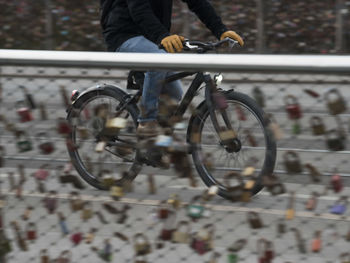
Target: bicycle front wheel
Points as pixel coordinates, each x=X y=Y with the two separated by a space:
x=213 y=160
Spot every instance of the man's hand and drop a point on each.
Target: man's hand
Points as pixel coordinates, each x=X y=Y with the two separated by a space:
x=233 y=35
x=171 y=42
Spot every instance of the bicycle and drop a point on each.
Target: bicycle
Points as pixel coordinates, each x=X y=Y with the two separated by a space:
x=223 y=113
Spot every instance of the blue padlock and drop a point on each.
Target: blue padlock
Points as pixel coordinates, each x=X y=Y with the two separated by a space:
x=339 y=207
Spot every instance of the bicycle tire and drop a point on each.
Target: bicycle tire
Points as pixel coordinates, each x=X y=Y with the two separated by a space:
x=196 y=126
x=108 y=91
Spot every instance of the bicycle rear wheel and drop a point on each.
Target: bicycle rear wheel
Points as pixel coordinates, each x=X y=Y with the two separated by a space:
x=115 y=159
x=213 y=160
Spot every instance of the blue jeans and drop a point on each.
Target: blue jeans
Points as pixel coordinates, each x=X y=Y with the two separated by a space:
x=153 y=85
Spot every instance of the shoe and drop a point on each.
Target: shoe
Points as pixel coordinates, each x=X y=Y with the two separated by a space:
x=148 y=129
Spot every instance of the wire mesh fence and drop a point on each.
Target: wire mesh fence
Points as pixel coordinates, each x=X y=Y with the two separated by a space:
x=49 y=213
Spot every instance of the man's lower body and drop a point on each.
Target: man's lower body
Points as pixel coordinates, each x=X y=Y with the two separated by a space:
x=153 y=85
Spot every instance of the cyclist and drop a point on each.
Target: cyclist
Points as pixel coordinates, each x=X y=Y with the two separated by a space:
x=141 y=26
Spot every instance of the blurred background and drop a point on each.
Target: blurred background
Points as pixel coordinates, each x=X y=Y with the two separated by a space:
x=40 y=217
x=267 y=26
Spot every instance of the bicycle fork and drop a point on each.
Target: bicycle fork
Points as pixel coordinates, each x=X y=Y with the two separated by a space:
x=228 y=136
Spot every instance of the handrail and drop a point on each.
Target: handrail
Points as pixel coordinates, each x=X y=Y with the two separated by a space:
x=187 y=62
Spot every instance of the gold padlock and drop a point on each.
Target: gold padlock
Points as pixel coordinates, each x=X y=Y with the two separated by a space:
x=116 y=192
x=114 y=125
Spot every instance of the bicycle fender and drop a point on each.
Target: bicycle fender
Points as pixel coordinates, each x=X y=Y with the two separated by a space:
x=93 y=91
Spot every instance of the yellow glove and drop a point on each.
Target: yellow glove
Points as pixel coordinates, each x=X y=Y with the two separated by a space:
x=171 y=42
x=233 y=35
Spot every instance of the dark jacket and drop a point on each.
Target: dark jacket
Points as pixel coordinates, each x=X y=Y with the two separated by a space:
x=152 y=19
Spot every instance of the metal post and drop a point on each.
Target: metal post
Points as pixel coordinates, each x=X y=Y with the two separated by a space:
x=260 y=38
x=339 y=26
x=48 y=25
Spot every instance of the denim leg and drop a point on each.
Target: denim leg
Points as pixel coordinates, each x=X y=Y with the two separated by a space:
x=173 y=89
x=153 y=83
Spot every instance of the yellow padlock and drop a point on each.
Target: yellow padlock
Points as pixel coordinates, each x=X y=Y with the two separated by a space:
x=116 y=192
x=114 y=125
x=290 y=213
x=248 y=171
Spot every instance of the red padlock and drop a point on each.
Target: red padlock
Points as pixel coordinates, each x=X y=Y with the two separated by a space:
x=31 y=231
x=337 y=183
x=76 y=238
x=42 y=173
x=292 y=107
x=63 y=127
x=24 y=112
x=50 y=202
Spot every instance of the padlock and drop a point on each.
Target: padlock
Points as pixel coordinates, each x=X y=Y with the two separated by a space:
x=44 y=257
x=163 y=211
x=335 y=102
x=27 y=213
x=339 y=207
x=274 y=127
x=290 y=212
x=214 y=257
x=63 y=127
x=281 y=227
x=174 y=201
x=292 y=162
x=43 y=112
x=296 y=128
x=65 y=257
x=265 y=251
x=237 y=245
x=317 y=126
x=23 y=142
x=24 y=113
x=45 y=146
x=113 y=126
x=100 y=146
x=106 y=252
x=182 y=233
x=315 y=175
x=195 y=208
x=337 y=182
x=259 y=96
x=21 y=242
x=151 y=184
x=50 y=202
x=89 y=237
x=345 y=258
x=235 y=193
x=31 y=231
x=63 y=223
x=335 y=140
x=292 y=107
x=210 y=193
x=203 y=241
x=75 y=201
x=42 y=173
x=141 y=245
x=76 y=238
x=87 y=211
x=311 y=203
x=254 y=220
x=316 y=244
x=168 y=226
x=116 y=191
x=2 y=156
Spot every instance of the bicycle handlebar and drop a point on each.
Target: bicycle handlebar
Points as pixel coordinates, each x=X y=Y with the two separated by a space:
x=202 y=47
